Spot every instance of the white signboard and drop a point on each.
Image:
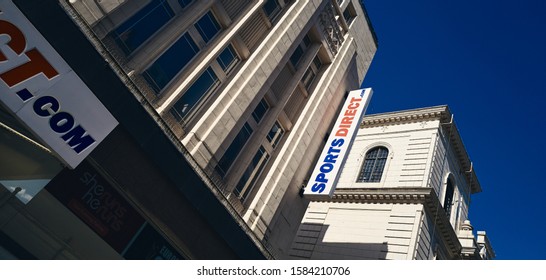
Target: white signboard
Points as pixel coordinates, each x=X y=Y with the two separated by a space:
x=323 y=180
x=41 y=89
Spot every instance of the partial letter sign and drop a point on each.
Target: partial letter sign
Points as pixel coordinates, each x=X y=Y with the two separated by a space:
x=324 y=178
x=41 y=89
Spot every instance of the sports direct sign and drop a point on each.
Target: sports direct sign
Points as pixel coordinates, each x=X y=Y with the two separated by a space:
x=41 y=89
x=323 y=180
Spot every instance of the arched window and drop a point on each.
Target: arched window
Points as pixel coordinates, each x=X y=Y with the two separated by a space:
x=373 y=166
x=448 y=199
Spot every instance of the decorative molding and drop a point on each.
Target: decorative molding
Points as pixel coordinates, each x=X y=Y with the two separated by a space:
x=422 y=116
x=407 y=116
x=425 y=196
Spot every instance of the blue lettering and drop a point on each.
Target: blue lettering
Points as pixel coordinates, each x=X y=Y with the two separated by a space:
x=337 y=142
x=321 y=177
x=318 y=187
x=77 y=140
x=61 y=122
x=326 y=168
x=330 y=158
x=45 y=106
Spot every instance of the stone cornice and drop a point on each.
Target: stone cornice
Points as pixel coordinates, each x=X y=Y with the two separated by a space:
x=407 y=116
x=425 y=196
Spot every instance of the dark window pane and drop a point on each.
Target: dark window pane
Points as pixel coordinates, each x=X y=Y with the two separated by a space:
x=448 y=200
x=373 y=166
x=306 y=41
x=227 y=58
x=275 y=134
x=260 y=110
x=271 y=8
x=184 y=3
x=207 y=26
x=141 y=26
x=308 y=78
x=251 y=174
x=317 y=62
x=203 y=85
x=171 y=62
x=234 y=149
x=296 y=56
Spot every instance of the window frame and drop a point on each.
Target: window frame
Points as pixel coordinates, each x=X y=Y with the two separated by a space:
x=255 y=168
x=158 y=89
x=221 y=75
x=202 y=31
x=373 y=172
x=128 y=25
x=192 y=35
x=449 y=195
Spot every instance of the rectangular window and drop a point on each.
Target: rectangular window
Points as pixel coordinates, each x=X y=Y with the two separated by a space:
x=142 y=25
x=275 y=134
x=251 y=174
x=207 y=27
x=260 y=110
x=349 y=14
x=163 y=70
x=234 y=149
x=311 y=73
x=184 y=3
x=300 y=50
x=227 y=59
x=271 y=8
x=206 y=83
x=296 y=56
x=308 y=78
x=317 y=62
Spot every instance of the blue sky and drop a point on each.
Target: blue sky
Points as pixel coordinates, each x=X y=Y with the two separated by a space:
x=487 y=60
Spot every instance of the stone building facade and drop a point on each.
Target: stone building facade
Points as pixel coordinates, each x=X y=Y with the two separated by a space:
x=403 y=193
x=222 y=107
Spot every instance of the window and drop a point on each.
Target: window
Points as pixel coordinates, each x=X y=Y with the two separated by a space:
x=311 y=73
x=171 y=62
x=234 y=149
x=251 y=174
x=349 y=14
x=206 y=83
x=207 y=27
x=141 y=26
x=300 y=50
x=373 y=166
x=275 y=134
x=260 y=110
x=227 y=59
x=178 y=55
x=448 y=199
x=271 y=8
x=184 y=3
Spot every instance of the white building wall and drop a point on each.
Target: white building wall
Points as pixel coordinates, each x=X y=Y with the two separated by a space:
x=445 y=165
x=332 y=230
x=406 y=227
x=410 y=153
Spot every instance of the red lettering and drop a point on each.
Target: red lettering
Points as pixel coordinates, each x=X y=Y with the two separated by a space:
x=355 y=102
x=350 y=112
x=342 y=132
x=36 y=65
x=17 y=40
x=347 y=120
